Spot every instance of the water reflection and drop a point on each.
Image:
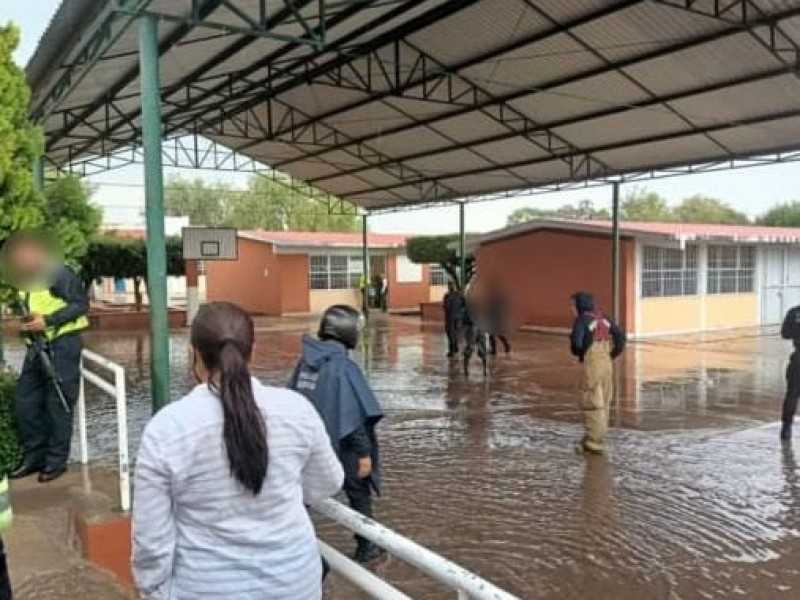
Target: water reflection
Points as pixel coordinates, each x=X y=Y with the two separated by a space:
x=697 y=500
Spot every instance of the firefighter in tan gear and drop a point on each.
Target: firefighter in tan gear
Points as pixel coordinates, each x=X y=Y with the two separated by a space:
x=596 y=340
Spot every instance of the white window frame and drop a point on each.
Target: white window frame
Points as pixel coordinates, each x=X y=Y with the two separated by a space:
x=660 y=278
x=732 y=274
x=324 y=275
x=437 y=276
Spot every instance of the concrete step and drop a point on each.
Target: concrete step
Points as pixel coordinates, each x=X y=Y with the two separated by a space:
x=45 y=559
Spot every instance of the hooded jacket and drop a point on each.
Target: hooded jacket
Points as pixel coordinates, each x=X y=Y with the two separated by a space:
x=589 y=325
x=336 y=387
x=791 y=327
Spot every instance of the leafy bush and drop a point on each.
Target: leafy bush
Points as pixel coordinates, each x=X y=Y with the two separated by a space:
x=439 y=249
x=10 y=453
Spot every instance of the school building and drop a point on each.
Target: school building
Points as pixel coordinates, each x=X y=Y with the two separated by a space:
x=288 y=272
x=674 y=277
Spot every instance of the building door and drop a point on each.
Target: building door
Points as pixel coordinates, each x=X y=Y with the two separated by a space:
x=781 y=284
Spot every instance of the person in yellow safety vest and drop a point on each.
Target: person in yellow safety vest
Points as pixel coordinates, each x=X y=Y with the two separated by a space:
x=6 y=517
x=54 y=304
x=596 y=340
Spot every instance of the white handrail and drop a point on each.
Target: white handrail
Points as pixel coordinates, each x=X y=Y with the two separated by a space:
x=465 y=583
x=118 y=391
x=359 y=576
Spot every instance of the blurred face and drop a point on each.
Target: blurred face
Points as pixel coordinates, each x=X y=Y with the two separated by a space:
x=29 y=263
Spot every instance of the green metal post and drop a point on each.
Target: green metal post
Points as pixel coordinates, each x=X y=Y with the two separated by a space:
x=365 y=258
x=615 y=249
x=462 y=244
x=154 y=208
x=38 y=174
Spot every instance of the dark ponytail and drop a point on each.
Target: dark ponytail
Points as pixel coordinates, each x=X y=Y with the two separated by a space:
x=222 y=334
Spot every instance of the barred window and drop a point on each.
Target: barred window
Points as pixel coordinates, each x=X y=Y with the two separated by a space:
x=669 y=272
x=731 y=269
x=334 y=271
x=437 y=275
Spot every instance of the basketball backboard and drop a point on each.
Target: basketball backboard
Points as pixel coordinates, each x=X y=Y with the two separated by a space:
x=209 y=243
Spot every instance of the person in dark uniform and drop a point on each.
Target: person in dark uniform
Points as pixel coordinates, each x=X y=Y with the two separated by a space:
x=338 y=390
x=453 y=304
x=791 y=331
x=53 y=305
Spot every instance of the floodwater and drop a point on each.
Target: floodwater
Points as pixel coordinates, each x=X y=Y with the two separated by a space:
x=697 y=499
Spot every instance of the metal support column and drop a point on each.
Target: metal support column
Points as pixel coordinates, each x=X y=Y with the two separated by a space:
x=38 y=174
x=154 y=208
x=615 y=250
x=367 y=280
x=462 y=244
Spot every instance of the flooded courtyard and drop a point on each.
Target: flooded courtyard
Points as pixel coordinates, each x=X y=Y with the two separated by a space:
x=697 y=498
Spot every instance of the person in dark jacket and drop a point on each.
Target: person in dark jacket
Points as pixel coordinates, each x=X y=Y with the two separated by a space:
x=335 y=385
x=52 y=305
x=791 y=331
x=596 y=341
x=453 y=304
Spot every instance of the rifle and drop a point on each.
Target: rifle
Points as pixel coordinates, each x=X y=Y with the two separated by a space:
x=41 y=346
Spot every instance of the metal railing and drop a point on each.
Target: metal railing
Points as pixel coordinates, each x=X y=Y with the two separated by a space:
x=465 y=584
x=116 y=389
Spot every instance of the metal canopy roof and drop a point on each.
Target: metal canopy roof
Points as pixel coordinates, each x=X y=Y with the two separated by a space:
x=391 y=103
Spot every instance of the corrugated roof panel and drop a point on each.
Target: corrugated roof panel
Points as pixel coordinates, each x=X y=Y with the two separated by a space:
x=510 y=150
x=774 y=135
x=715 y=62
x=485 y=25
x=409 y=142
x=468 y=127
x=642 y=28
x=368 y=120
x=791 y=28
x=346 y=185
x=343 y=160
x=740 y=102
x=492 y=181
x=549 y=60
x=631 y=124
x=309 y=169
x=586 y=96
x=569 y=10
x=454 y=161
x=546 y=172
x=689 y=148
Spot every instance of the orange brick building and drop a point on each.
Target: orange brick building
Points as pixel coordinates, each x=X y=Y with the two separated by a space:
x=674 y=277
x=286 y=272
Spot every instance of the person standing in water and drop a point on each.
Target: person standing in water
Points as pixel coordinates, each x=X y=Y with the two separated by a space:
x=335 y=385
x=453 y=304
x=596 y=341
x=222 y=479
x=791 y=331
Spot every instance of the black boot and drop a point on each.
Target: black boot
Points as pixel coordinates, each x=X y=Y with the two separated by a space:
x=367 y=551
x=786 y=432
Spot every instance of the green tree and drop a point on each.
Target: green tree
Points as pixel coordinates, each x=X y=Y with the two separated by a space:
x=20 y=144
x=265 y=204
x=782 y=215
x=701 y=209
x=642 y=205
x=585 y=210
x=70 y=214
x=205 y=204
x=440 y=250
x=111 y=256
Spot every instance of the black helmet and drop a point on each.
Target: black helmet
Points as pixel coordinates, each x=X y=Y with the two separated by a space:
x=341 y=323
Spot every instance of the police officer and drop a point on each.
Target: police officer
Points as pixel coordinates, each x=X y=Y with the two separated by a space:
x=596 y=340
x=454 y=308
x=54 y=304
x=791 y=331
x=336 y=387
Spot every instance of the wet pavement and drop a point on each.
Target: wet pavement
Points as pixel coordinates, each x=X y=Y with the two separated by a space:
x=696 y=500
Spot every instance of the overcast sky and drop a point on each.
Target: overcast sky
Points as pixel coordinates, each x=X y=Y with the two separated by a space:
x=121 y=195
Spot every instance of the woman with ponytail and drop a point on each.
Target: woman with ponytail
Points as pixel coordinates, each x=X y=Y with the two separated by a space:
x=222 y=477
